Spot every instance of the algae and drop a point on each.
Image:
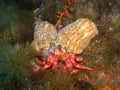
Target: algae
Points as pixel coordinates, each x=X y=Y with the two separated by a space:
x=15 y=66
x=16 y=24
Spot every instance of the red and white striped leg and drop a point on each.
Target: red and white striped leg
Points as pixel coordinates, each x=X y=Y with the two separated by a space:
x=80 y=66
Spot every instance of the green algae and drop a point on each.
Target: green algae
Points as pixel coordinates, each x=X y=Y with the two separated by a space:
x=50 y=80
x=14 y=64
x=16 y=24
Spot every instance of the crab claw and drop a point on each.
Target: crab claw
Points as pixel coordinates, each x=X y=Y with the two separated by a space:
x=48 y=62
x=51 y=61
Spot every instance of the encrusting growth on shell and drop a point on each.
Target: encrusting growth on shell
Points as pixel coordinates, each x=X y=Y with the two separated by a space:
x=44 y=32
x=76 y=36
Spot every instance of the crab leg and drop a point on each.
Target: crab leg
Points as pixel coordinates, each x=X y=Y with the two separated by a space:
x=68 y=64
x=55 y=63
x=75 y=57
x=54 y=66
x=80 y=66
x=48 y=62
x=39 y=62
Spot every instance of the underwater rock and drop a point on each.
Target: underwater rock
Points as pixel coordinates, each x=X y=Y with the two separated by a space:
x=44 y=32
x=76 y=36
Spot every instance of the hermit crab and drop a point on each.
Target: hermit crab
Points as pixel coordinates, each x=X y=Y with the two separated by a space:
x=62 y=46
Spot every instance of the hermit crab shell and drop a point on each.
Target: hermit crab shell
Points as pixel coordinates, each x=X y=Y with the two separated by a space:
x=44 y=32
x=76 y=36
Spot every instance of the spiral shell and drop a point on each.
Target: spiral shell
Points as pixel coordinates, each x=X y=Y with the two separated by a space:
x=76 y=36
x=44 y=32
